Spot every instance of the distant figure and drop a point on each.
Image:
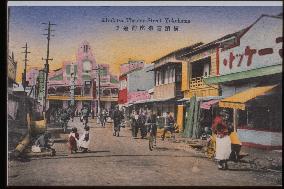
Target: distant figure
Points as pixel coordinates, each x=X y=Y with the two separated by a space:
x=85 y=115
x=141 y=123
x=117 y=117
x=103 y=117
x=134 y=123
x=170 y=121
x=93 y=113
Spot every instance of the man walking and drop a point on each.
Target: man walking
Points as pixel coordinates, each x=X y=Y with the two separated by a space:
x=170 y=121
x=117 y=117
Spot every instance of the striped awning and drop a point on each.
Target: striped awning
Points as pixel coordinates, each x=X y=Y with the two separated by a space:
x=238 y=100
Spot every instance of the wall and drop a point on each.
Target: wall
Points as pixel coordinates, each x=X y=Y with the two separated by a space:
x=141 y=80
x=260 y=138
x=228 y=91
x=165 y=91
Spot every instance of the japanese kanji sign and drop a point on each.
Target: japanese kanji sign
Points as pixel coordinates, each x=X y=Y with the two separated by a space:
x=260 y=46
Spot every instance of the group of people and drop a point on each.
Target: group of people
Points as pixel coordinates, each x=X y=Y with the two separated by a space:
x=142 y=120
x=77 y=143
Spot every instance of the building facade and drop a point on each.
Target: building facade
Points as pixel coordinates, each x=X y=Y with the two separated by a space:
x=84 y=73
x=249 y=73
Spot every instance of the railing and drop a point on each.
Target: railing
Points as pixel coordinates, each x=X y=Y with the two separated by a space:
x=197 y=82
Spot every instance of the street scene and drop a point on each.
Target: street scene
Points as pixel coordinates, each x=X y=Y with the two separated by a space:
x=121 y=96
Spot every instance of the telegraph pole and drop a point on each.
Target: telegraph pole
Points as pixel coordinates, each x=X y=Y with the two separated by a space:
x=72 y=87
x=46 y=65
x=99 y=89
x=24 y=76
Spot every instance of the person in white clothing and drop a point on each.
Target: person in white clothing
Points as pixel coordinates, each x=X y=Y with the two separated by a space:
x=85 y=140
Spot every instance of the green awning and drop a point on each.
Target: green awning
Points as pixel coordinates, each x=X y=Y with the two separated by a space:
x=275 y=69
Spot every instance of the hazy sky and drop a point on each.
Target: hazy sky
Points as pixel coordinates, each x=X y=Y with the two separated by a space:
x=76 y=24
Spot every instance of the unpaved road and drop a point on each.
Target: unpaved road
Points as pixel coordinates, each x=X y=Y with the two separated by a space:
x=127 y=161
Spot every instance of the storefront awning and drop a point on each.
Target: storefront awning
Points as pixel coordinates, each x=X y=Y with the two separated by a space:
x=238 y=100
x=208 y=104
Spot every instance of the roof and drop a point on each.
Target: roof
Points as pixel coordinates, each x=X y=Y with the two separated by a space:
x=188 y=48
x=237 y=34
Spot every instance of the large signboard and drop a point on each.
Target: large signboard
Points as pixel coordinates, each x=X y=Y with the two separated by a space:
x=136 y=96
x=260 y=46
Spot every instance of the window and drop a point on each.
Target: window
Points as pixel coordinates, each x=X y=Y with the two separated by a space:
x=87 y=66
x=167 y=76
x=162 y=77
x=173 y=74
x=158 y=78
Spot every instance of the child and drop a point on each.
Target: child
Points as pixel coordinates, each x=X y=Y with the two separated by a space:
x=73 y=139
x=85 y=139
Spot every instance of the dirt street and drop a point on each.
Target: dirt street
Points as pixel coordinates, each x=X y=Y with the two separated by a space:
x=127 y=161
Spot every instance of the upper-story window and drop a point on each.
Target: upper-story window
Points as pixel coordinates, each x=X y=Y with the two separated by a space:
x=201 y=68
x=86 y=48
x=87 y=66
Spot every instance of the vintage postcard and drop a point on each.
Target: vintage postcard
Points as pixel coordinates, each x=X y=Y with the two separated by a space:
x=144 y=93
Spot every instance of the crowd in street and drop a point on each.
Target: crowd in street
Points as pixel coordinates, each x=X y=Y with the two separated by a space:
x=222 y=140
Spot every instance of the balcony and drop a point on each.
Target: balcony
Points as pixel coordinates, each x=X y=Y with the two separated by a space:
x=199 y=88
x=170 y=90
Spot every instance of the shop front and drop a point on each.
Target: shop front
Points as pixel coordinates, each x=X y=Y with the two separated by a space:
x=250 y=76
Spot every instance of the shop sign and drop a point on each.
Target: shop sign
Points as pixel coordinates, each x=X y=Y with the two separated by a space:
x=41 y=83
x=136 y=96
x=260 y=46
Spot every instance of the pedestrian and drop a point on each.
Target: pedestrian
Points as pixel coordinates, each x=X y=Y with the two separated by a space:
x=43 y=141
x=102 y=119
x=73 y=140
x=85 y=115
x=141 y=123
x=134 y=123
x=169 y=126
x=151 y=121
x=223 y=141
x=85 y=140
x=117 y=119
x=93 y=113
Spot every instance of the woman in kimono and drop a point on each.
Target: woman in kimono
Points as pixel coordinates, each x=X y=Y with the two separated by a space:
x=85 y=140
x=223 y=141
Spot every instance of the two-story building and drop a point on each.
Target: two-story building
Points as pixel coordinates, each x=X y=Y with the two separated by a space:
x=197 y=109
x=125 y=70
x=168 y=82
x=249 y=73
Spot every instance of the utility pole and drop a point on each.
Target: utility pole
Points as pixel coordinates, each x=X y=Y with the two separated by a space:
x=99 y=89
x=24 y=75
x=46 y=65
x=72 y=87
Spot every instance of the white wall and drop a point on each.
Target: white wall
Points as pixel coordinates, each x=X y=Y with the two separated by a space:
x=260 y=137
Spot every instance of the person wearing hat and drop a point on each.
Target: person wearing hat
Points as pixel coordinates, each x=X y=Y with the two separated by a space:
x=223 y=141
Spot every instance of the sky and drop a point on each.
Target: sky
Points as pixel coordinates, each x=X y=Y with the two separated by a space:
x=77 y=24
